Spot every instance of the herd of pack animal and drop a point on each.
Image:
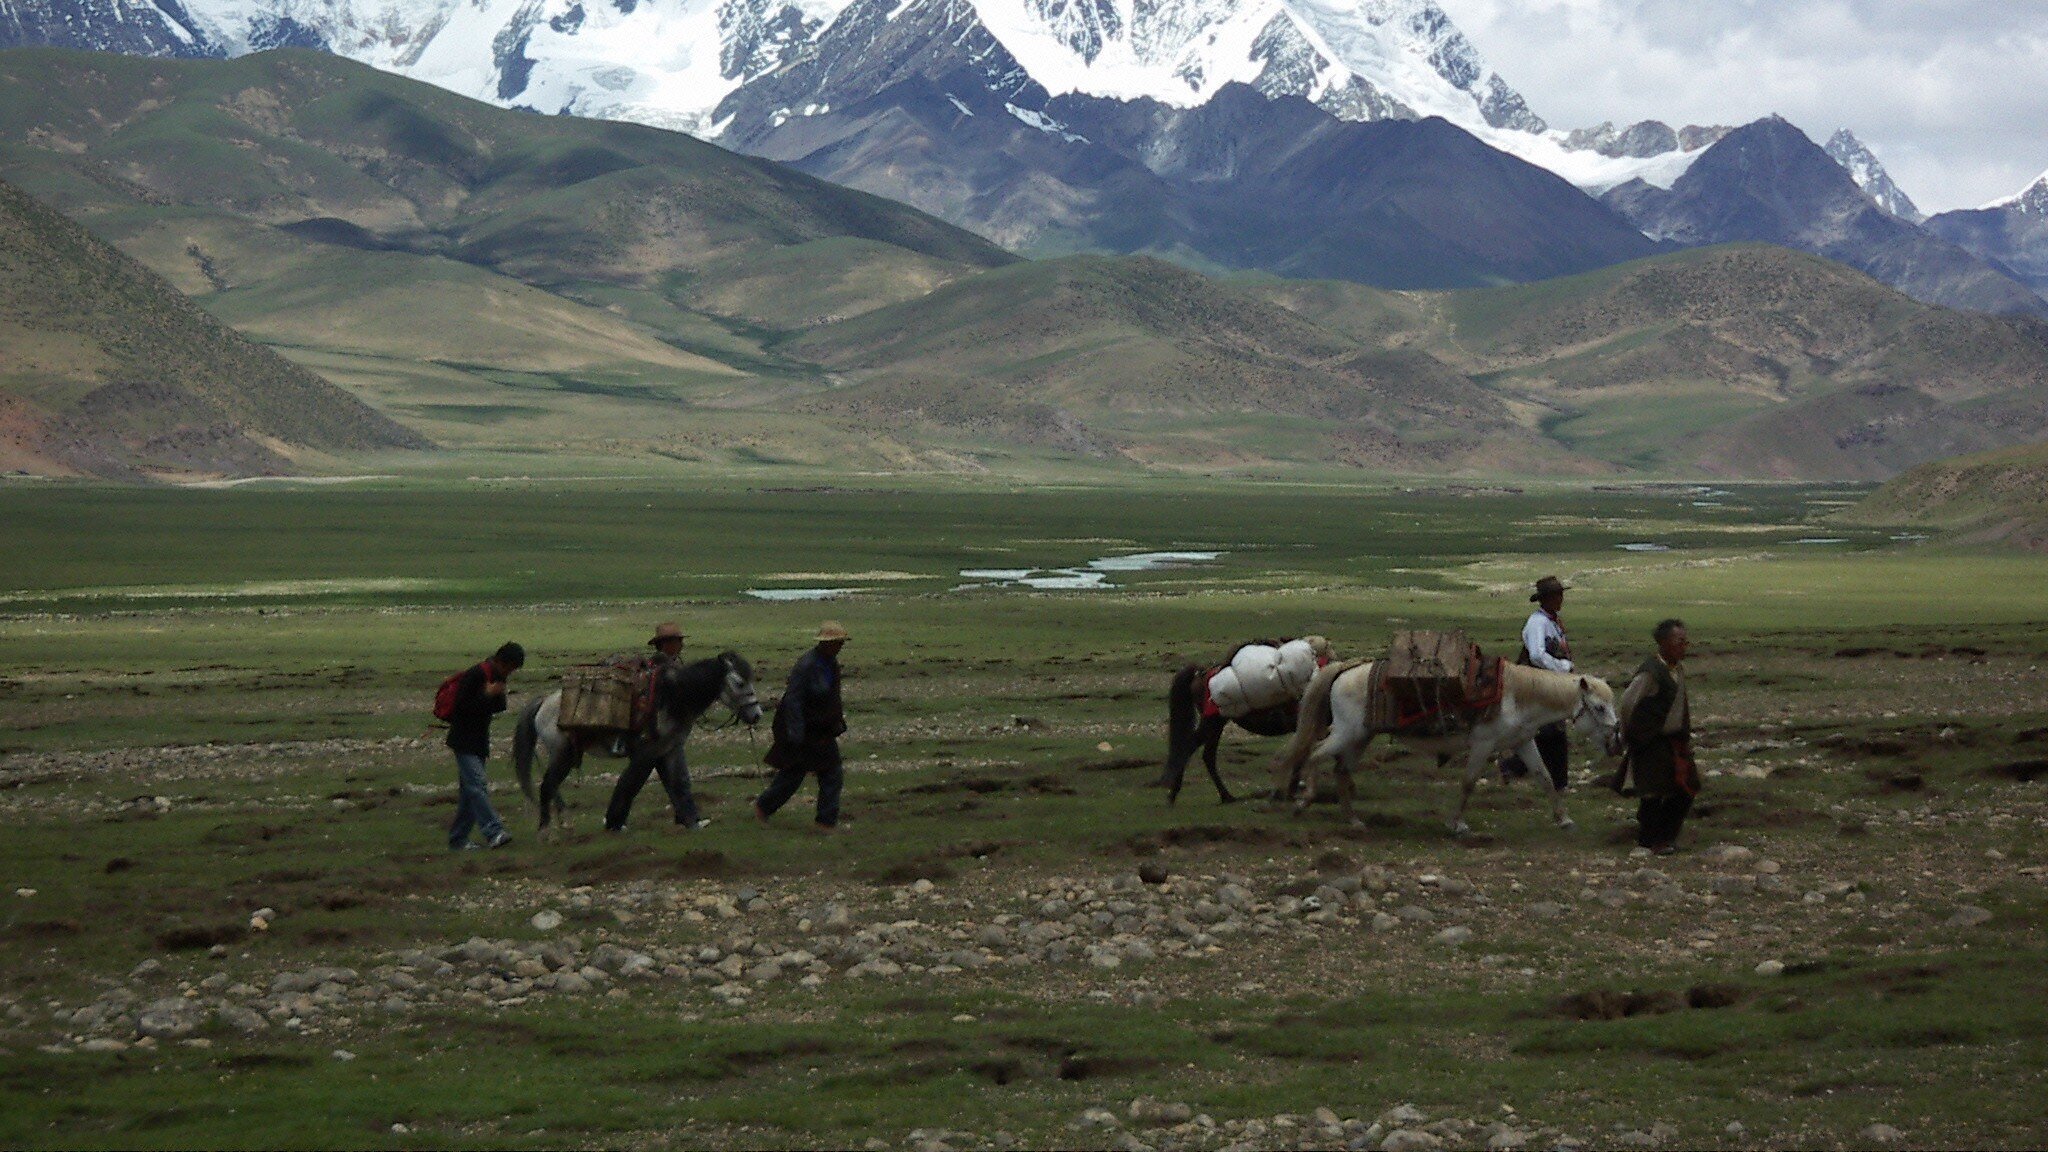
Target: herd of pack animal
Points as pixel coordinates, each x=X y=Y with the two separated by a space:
x=1432 y=691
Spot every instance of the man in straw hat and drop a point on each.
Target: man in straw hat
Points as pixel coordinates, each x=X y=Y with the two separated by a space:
x=1544 y=646
x=650 y=756
x=808 y=724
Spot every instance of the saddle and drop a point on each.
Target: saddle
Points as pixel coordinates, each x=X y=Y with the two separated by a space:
x=614 y=695
x=1434 y=683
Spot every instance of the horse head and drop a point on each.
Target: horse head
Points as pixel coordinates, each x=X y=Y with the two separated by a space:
x=738 y=693
x=1595 y=715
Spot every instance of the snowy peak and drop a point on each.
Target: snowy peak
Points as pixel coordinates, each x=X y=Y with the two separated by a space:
x=1862 y=165
x=2033 y=201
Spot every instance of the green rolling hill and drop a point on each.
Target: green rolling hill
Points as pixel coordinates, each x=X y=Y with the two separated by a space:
x=108 y=370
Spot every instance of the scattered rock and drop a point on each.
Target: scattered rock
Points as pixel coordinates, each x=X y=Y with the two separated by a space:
x=1882 y=1134
x=245 y=1020
x=1454 y=937
x=170 y=1018
x=1771 y=968
x=547 y=920
x=1969 y=916
x=1095 y=1118
x=1410 y=1140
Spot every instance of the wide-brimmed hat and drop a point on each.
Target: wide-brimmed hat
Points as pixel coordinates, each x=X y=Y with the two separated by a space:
x=831 y=630
x=1548 y=586
x=666 y=630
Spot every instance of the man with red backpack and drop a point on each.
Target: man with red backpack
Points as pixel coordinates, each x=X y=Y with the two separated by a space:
x=468 y=701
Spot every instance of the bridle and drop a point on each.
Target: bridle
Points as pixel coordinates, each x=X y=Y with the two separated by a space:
x=736 y=700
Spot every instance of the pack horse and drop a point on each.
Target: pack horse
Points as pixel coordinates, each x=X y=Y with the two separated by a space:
x=623 y=707
x=1479 y=711
x=1256 y=688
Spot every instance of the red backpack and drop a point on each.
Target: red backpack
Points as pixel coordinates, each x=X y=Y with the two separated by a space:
x=444 y=696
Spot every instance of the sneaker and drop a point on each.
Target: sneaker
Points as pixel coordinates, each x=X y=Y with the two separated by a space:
x=694 y=825
x=1664 y=850
x=825 y=829
x=615 y=828
x=465 y=846
x=499 y=841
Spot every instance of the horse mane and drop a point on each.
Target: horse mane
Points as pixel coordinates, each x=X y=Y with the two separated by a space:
x=1559 y=690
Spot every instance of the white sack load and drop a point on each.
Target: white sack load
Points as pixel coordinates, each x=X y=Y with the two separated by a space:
x=1261 y=676
x=1298 y=663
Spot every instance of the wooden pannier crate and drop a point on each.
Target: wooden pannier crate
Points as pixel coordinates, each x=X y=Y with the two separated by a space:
x=1426 y=670
x=598 y=696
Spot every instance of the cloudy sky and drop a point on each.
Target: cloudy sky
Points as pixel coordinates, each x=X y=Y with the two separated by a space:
x=1951 y=94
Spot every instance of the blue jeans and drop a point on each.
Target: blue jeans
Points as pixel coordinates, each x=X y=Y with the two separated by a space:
x=472 y=803
x=821 y=759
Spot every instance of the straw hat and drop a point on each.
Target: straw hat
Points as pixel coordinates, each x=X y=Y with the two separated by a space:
x=1548 y=586
x=831 y=630
x=666 y=630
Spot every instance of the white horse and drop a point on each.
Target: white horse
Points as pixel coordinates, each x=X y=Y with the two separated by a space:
x=1338 y=702
x=683 y=693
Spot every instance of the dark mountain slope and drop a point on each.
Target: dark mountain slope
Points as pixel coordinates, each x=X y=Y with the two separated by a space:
x=106 y=369
x=2012 y=235
x=1243 y=182
x=1766 y=181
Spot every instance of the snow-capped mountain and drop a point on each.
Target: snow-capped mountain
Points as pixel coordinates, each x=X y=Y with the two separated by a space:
x=2012 y=232
x=2031 y=200
x=1863 y=167
x=675 y=63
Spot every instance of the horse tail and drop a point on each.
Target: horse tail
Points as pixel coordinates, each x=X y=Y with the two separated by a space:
x=525 y=738
x=1311 y=719
x=1181 y=720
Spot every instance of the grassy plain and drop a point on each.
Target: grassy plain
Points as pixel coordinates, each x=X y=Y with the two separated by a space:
x=261 y=657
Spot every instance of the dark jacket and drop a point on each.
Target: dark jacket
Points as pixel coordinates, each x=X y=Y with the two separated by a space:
x=469 y=730
x=1660 y=762
x=811 y=716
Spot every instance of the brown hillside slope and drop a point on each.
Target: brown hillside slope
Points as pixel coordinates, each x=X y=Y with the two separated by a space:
x=1990 y=496
x=1135 y=356
x=1744 y=360
x=107 y=370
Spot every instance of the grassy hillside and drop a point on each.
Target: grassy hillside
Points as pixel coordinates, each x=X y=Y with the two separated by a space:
x=107 y=369
x=1742 y=360
x=1989 y=496
x=1139 y=357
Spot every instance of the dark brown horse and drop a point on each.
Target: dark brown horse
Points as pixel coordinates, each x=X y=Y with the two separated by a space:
x=1190 y=726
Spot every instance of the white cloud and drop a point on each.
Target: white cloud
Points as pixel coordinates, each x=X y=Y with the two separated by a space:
x=1951 y=94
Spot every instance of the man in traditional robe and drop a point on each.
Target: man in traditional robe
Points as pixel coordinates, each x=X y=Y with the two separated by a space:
x=1656 y=720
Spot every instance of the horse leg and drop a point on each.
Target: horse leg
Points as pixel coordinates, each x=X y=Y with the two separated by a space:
x=1347 y=788
x=1475 y=766
x=564 y=762
x=1213 y=731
